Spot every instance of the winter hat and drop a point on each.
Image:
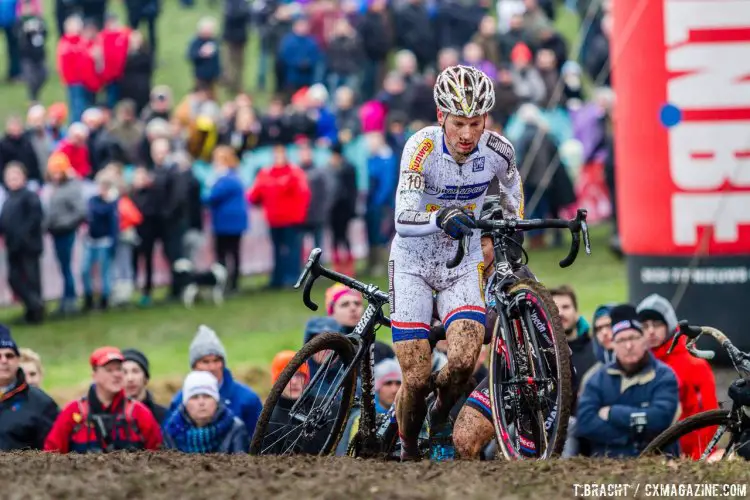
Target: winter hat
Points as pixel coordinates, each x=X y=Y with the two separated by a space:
x=603 y=310
x=656 y=307
x=139 y=358
x=59 y=163
x=334 y=293
x=6 y=341
x=279 y=363
x=386 y=371
x=624 y=317
x=197 y=383
x=520 y=53
x=206 y=343
x=320 y=324
x=382 y=351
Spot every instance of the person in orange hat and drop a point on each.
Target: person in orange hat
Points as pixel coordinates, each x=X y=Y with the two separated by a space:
x=57 y=117
x=105 y=419
x=66 y=212
x=295 y=386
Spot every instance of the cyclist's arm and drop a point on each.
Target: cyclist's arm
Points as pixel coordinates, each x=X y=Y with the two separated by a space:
x=410 y=221
x=511 y=191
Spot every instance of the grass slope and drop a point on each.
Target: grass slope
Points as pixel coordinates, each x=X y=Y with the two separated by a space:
x=257 y=325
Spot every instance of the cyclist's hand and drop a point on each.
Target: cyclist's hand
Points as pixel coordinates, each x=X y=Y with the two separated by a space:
x=455 y=222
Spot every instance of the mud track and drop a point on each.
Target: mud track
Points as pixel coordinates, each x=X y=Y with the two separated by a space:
x=177 y=477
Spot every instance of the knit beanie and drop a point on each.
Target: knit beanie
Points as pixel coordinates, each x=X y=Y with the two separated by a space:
x=139 y=358
x=206 y=343
x=656 y=307
x=6 y=341
x=386 y=371
x=197 y=383
x=624 y=317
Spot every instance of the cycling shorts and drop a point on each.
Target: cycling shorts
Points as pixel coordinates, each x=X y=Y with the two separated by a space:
x=479 y=399
x=460 y=295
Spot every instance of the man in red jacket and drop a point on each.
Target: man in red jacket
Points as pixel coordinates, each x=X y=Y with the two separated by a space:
x=71 y=55
x=697 y=387
x=114 y=40
x=284 y=194
x=105 y=420
x=75 y=148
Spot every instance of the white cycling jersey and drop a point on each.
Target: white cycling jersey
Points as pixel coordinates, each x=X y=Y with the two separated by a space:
x=429 y=180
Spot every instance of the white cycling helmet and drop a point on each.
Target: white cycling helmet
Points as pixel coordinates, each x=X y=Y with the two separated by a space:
x=464 y=91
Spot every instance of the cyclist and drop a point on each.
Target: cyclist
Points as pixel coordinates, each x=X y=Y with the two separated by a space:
x=445 y=173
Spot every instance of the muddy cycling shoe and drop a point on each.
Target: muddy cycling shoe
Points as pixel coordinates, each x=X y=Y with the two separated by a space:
x=440 y=432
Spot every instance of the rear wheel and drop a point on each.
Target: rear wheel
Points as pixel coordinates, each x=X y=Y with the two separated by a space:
x=530 y=379
x=309 y=419
x=667 y=443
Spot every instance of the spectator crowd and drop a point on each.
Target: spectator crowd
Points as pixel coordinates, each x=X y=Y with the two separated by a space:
x=122 y=166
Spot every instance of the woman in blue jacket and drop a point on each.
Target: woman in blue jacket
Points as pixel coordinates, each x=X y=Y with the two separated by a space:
x=228 y=207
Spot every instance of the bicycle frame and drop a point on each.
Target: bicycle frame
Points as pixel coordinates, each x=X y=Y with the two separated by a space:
x=363 y=335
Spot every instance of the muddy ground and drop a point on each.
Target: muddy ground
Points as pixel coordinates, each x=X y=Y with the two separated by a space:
x=173 y=476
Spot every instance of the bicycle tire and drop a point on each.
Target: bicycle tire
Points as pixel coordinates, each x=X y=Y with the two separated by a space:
x=675 y=432
x=563 y=376
x=343 y=347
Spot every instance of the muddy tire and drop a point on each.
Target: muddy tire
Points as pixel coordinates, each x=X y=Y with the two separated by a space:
x=674 y=433
x=333 y=407
x=551 y=339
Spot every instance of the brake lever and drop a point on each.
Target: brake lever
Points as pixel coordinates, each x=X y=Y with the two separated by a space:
x=586 y=241
x=463 y=247
x=674 y=341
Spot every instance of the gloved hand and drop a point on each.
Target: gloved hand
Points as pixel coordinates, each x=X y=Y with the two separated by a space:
x=455 y=222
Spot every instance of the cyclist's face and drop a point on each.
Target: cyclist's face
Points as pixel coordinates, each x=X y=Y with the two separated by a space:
x=656 y=332
x=488 y=252
x=348 y=310
x=461 y=134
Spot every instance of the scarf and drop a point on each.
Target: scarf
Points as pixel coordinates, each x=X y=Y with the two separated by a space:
x=191 y=439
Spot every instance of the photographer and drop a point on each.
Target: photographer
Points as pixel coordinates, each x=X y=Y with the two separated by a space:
x=629 y=401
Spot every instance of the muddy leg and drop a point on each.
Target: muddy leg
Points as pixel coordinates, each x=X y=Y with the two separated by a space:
x=415 y=359
x=471 y=433
x=464 y=343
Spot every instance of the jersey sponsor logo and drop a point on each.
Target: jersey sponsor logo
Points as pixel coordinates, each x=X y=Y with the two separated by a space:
x=413 y=218
x=413 y=181
x=499 y=146
x=478 y=165
x=417 y=161
x=431 y=207
x=463 y=193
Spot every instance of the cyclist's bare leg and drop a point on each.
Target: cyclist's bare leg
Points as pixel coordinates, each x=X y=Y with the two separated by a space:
x=471 y=432
x=464 y=338
x=415 y=359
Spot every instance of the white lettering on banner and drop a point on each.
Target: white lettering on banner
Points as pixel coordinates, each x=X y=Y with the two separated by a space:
x=708 y=60
x=717 y=153
x=701 y=275
x=682 y=16
x=717 y=69
x=725 y=212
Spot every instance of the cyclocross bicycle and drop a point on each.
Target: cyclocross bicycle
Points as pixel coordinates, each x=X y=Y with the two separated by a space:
x=530 y=376
x=733 y=423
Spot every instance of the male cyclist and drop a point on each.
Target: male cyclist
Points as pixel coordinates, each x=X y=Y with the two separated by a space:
x=445 y=172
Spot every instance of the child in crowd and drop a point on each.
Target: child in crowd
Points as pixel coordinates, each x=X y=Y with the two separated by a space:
x=100 y=243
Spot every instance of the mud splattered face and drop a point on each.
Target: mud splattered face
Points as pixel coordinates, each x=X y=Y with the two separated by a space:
x=461 y=134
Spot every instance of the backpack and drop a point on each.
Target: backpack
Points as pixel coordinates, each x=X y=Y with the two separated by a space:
x=102 y=429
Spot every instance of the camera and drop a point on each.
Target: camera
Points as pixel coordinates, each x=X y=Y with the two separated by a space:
x=638 y=421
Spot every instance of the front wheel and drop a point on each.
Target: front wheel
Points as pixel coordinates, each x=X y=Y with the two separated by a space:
x=308 y=416
x=530 y=376
x=667 y=443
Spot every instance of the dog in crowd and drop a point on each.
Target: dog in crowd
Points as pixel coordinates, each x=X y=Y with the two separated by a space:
x=192 y=282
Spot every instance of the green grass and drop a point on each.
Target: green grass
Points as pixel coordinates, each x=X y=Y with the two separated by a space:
x=256 y=326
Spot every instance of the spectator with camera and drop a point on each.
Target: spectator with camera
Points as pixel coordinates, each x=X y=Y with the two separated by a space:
x=631 y=400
